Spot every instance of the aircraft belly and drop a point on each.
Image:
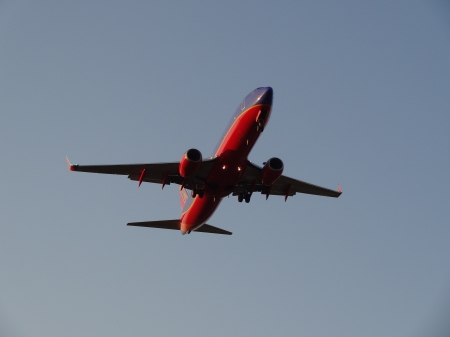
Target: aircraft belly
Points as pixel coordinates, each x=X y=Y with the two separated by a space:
x=230 y=165
x=242 y=130
x=199 y=211
x=233 y=152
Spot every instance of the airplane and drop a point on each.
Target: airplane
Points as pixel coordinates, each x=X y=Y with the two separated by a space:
x=226 y=172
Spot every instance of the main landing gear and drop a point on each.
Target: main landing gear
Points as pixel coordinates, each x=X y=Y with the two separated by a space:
x=244 y=196
x=197 y=191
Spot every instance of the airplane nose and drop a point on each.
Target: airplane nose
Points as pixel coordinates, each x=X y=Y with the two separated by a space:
x=266 y=97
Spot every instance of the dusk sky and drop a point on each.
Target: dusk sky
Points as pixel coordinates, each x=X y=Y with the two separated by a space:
x=361 y=99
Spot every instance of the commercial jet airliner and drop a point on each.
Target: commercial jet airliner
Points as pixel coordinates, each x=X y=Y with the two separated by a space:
x=227 y=171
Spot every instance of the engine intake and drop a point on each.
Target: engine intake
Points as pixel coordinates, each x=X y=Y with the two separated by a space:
x=271 y=171
x=190 y=162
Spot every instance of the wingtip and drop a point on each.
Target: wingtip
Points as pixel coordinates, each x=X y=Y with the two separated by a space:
x=339 y=189
x=69 y=165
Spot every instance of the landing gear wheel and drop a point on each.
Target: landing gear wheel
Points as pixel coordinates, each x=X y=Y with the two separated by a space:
x=260 y=127
x=197 y=191
x=247 y=197
x=240 y=197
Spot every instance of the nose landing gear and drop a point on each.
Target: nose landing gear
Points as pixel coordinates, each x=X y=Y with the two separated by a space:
x=260 y=127
x=262 y=116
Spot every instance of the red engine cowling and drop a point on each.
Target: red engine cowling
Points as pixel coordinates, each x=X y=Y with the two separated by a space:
x=271 y=171
x=190 y=162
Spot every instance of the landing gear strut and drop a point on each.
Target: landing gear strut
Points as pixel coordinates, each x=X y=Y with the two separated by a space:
x=244 y=196
x=260 y=127
x=262 y=116
x=197 y=191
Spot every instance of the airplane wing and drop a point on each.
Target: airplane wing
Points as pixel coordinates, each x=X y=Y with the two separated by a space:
x=159 y=173
x=285 y=186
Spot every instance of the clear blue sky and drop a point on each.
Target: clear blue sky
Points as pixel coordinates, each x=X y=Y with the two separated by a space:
x=362 y=98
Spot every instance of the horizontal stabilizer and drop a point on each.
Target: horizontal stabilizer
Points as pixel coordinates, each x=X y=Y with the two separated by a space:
x=175 y=224
x=211 y=229
x=166 y=224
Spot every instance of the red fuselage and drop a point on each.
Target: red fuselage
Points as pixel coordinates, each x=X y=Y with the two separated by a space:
x=232 y=152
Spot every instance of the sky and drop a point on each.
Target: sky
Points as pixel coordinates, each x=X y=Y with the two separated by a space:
x=361 y=99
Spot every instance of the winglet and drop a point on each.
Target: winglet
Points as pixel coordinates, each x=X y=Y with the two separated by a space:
x=69 y=165
x=339 y=189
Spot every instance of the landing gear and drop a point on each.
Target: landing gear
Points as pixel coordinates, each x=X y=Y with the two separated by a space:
x=262 y=116
x=244 y=196
x=197 y=191
x=260 y=127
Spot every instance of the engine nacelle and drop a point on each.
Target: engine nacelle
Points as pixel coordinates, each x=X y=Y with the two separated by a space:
x=271 y=171
x=190 y=162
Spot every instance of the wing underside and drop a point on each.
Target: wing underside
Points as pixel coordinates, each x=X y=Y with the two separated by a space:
x=167 y=173
x=158 y=173
x=284 y=186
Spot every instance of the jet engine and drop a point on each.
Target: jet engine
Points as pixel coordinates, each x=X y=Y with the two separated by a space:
x=190 y=162
x=271 y=171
